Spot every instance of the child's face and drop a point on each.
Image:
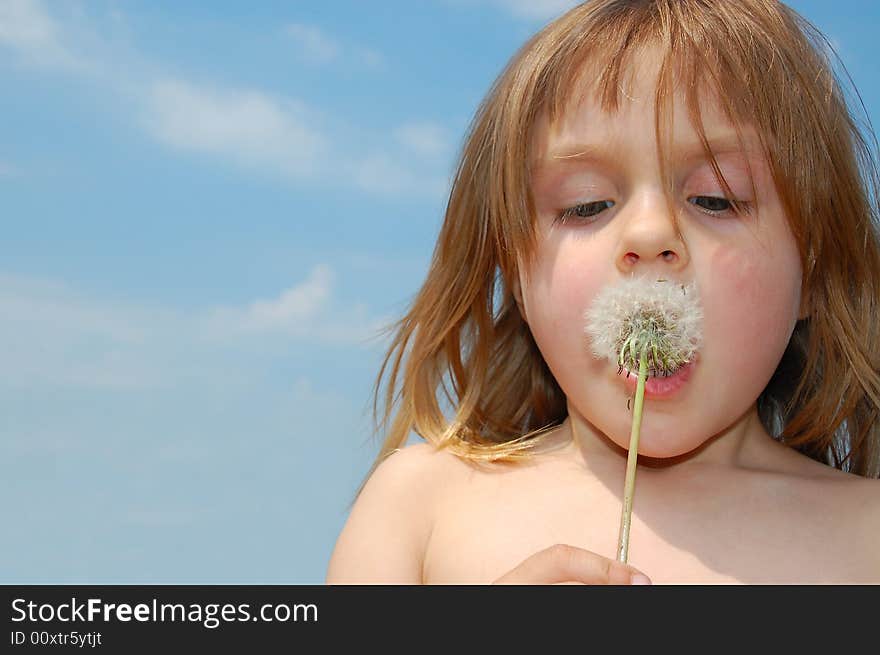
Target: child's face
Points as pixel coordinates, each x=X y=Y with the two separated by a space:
x=747 y=268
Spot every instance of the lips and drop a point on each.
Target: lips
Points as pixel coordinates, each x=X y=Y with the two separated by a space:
x=661 y=387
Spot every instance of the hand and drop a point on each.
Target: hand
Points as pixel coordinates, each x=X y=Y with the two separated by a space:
x=564 y=564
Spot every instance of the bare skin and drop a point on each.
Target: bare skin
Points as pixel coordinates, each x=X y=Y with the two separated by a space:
x=737 y=511
x=775 y=517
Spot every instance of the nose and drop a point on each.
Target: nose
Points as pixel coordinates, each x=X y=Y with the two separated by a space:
x=651 y=241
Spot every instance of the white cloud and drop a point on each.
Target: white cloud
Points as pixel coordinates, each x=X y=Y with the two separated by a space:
x=536 y=9
x=318 y=47
x=525 y=9
x=31 y=302
x=50 y=334
x=306 y=311
x=27 y=29
x=291 y=312
x=285 y=138
x=248 y=126
x=297 y=303
x=306 y=394
x=7 y=169
x=314 y=45
x=383 y=174
x=425 y=139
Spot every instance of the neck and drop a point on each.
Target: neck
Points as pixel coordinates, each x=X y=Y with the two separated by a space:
x=744 y=444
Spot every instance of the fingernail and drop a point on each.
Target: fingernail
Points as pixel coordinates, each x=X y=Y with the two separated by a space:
x=639 y=578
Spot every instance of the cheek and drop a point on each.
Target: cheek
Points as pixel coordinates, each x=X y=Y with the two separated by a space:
x=751 y=307
x=562 y=285
x=560 y=291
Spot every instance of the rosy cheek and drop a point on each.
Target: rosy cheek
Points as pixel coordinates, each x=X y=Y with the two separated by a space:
x=747 y=302
x=575 y=280
x=562 y=284
x=737 y=273
x=575 y=286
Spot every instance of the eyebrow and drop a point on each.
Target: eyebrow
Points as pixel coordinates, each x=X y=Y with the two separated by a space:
x=588 y=152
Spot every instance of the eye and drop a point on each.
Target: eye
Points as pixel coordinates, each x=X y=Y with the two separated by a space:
x=584 y=210
x=714 y=206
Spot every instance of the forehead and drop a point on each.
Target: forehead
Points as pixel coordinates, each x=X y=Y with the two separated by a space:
x=588 y=121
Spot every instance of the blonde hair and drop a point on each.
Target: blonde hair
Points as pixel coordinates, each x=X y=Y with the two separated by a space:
x=463 y=340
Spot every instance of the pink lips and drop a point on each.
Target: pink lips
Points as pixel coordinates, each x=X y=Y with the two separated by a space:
x=660 y=387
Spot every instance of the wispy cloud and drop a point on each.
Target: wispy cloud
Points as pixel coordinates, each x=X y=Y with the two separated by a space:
x=7 y=169
x=537 y=9
x=307 y=311
x=425 y=139
x=293 y=311
x=30 y=302
x=316 y=46
x=385 y=174
x=285 y=138
x=28 y=30
x=51 y=333
x=247 y=126
x=524 y=9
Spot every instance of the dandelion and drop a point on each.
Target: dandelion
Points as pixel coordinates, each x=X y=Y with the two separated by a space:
x=650 y=326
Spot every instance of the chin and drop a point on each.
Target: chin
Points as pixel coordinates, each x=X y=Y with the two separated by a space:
x=662 y=451
x=660 y=442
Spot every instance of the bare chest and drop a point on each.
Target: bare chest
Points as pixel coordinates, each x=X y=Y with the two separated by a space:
x=680 y=534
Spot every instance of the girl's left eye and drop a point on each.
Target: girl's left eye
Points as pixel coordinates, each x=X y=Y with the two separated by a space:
x=713 y=205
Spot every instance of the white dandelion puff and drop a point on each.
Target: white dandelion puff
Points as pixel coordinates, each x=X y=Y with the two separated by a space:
x=665 y=314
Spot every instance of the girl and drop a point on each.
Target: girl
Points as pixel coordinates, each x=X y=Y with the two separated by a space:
x=698 y=141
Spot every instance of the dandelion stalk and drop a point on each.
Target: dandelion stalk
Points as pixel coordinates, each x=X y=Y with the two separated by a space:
x=652 y=327
x=629 y=487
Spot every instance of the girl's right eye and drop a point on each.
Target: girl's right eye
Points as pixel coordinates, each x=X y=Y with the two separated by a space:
x=584 y=211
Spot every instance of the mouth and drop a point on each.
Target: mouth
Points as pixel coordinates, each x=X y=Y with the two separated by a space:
x=658 y=385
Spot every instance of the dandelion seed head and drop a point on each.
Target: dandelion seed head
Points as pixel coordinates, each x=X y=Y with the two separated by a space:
x=638 y=310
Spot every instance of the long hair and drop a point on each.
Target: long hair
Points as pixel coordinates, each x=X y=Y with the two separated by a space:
x=462 y=370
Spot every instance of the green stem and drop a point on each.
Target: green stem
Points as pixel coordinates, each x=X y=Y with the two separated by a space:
x=632 y=458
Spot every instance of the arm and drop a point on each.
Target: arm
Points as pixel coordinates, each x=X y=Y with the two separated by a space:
x=384 y=539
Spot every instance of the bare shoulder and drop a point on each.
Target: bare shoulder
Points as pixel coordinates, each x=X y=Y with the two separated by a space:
x=858 y=506
x=421 y=470
x=386 y=533
x=864 y=499
x=842 y=511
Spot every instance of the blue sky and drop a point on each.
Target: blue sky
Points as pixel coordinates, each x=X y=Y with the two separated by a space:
x=206 y=209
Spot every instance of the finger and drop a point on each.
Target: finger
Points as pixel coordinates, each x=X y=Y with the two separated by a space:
x=562 y=563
